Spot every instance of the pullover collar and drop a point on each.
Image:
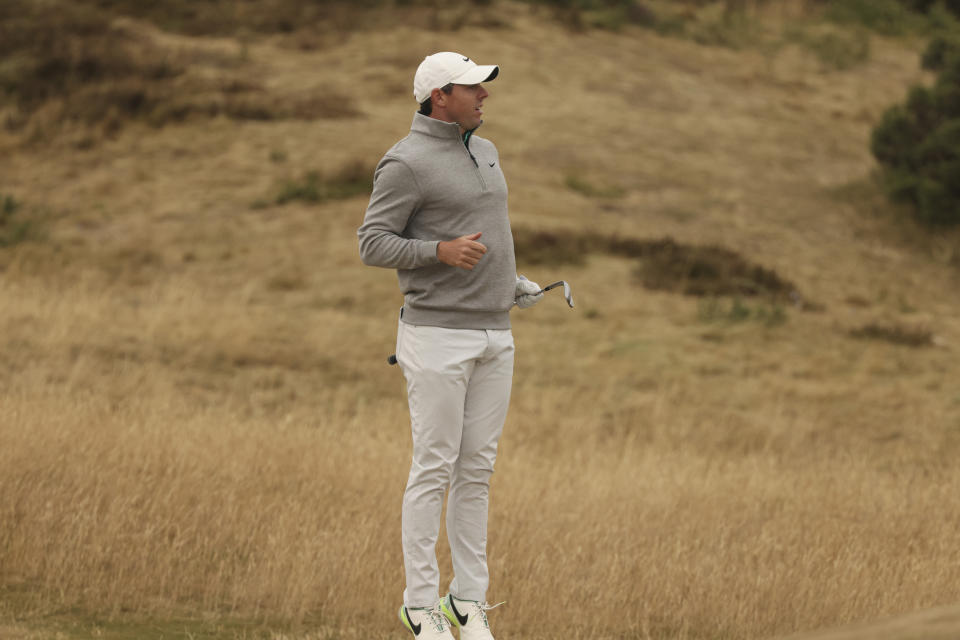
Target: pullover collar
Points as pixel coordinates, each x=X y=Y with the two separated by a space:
x=439 y=129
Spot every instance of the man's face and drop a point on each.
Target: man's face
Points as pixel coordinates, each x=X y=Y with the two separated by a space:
x=464 y=105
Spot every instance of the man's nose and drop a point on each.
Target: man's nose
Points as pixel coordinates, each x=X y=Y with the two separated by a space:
x=483 y=93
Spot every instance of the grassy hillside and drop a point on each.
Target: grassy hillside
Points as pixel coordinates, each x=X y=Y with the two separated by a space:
x=201 y=436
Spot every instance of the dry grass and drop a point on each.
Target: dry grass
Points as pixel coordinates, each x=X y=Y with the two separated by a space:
x=198 y=422
x=192 y=459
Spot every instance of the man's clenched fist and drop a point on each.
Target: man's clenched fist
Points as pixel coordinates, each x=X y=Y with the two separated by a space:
x=464 y=252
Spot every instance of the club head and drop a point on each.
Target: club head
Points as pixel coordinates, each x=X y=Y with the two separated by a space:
x=566 y=290
x=567 y=293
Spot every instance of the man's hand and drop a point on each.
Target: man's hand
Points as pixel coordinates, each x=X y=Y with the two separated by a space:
x=527 y=293
x=464 y=252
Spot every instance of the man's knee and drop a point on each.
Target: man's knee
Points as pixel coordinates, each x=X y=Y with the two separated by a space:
x=434 y=475
x=476 y=471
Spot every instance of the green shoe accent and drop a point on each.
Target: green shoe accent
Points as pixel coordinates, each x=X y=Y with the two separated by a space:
x=405 y=619
x=447 y=613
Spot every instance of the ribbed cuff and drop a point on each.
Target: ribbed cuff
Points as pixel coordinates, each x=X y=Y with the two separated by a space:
x=427 y=252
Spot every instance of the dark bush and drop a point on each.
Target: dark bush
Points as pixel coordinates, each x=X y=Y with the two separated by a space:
x=662 y=264
x=940 y=49
x=707 y=271
x=918 y=144
x=924 y=6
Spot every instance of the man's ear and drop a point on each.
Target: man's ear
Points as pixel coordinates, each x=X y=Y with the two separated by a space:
x=438 y=98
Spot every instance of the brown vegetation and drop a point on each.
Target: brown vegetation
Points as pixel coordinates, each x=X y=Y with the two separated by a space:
x=664 y=264
x=69 y=63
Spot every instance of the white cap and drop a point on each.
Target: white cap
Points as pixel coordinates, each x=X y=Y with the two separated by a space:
x=442 y=68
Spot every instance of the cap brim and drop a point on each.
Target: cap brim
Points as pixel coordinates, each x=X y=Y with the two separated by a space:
x=478 y=74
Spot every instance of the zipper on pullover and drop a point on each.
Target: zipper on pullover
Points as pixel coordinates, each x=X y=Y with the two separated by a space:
x=476 y=165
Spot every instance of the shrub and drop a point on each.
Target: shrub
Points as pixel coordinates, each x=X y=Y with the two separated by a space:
x=888 y=17
x=929 y=6
x=707 y=270
x=939 y=51
x=53 y=52
x=554 y=248
x=894 y=334
x=896 y=17
x=840 y=51
x=89 y=69
x=663 y=264
x=918 y=146
x=225 y=17
x=601 y=14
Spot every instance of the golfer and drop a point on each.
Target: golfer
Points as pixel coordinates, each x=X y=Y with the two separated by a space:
x=438 y=215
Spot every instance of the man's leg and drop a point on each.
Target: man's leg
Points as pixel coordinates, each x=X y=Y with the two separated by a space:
x=437 y=364
x=487 y=399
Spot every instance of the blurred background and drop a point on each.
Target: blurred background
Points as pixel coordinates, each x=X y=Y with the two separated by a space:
x=747 y=428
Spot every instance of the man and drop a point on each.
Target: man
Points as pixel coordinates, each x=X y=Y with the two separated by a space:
x=438 y=215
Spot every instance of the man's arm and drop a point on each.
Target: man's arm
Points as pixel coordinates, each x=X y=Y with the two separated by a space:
x=395 y=197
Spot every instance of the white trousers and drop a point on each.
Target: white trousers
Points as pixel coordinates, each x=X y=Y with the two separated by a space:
x=458 y=388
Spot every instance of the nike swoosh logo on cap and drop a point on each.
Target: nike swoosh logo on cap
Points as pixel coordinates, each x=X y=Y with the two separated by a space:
x=466 y=59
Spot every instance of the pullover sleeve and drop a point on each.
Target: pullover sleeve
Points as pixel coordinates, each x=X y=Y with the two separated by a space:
x=395 y=198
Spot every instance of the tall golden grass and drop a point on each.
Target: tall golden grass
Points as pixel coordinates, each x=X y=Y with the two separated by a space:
x=197 y=420
x=616 y=511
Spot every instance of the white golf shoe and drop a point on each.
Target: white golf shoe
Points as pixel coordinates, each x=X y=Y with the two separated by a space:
x=469 y=615
x=425 y=624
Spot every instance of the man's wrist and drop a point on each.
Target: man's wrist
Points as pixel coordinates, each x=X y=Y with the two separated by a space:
x=431 y=251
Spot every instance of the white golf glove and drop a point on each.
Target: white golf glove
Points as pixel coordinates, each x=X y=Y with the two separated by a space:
x=527 y=293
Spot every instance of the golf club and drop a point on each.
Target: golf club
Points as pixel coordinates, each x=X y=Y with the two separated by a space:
x=566 y=290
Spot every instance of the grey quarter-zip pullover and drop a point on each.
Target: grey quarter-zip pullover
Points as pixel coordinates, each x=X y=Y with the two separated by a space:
x=432 y=186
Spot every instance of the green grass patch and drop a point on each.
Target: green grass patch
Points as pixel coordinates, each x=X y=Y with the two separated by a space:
x=721 y=23
x=15 y=227
x=836 y=48
x=353 y=179
x=736 y=310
